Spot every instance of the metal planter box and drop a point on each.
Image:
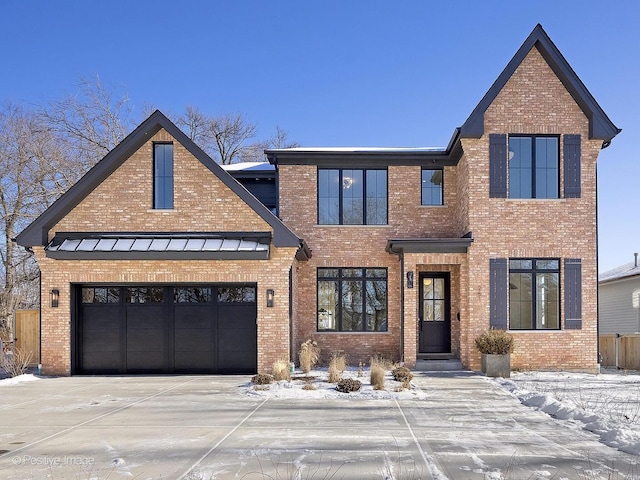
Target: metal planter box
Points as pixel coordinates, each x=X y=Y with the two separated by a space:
x=496 y=365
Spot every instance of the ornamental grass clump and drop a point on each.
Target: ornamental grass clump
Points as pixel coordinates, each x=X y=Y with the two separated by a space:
x=376 y=377
x=495 y=342
x=309 y=355
x=337 y=365
x=280 y=370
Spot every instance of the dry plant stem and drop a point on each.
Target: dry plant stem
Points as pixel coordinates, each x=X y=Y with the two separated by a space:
x=280 y=370
x=309 y=355
x=16 y=362
x=377 y=377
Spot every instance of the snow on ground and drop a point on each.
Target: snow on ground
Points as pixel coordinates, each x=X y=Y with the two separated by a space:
x=321 y=388
x=607 y=404
x=27 y=377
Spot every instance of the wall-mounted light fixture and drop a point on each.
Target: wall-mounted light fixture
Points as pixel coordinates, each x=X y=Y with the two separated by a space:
x=409 y=279
x=269 y=297
x=55 y=297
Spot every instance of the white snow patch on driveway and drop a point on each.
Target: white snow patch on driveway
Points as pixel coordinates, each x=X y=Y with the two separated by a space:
x=26 y=377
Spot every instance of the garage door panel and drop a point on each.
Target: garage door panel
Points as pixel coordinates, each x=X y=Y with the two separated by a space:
x=193 y=316
x=146 y=361
x=195 y=362
x=193 y=340
x=101 y=318
x=237 y=338
x=145 y=340
x=189 y=333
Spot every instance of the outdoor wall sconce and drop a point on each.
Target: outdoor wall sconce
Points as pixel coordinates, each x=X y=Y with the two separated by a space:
x=55 y=297
x=269 y=297
x=409 y=279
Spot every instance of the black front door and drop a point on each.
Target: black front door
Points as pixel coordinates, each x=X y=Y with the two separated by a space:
x=435 y=313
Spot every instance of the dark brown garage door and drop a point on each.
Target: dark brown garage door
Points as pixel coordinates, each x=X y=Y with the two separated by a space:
x=165 y=329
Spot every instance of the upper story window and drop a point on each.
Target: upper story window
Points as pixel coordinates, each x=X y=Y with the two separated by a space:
x=163 y=175
x=432 y=180
x=352 y=197
x=534 y=170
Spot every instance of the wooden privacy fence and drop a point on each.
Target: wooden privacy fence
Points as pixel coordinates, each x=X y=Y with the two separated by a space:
x=27 y=333
x=622 y=351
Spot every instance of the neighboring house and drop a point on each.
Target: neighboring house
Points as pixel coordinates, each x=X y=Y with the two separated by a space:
x=160 y=261
x=619 y=299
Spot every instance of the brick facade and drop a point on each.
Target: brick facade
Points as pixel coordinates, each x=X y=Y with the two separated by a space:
x=123 y=203
x=533 y=100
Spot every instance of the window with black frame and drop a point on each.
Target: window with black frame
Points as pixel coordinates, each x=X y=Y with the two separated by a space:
x=352 y=196
x=432 y=186
x=534 y=169
x=534 y=294
x=352 y=299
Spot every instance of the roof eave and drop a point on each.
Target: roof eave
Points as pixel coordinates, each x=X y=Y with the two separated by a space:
x=600 y=126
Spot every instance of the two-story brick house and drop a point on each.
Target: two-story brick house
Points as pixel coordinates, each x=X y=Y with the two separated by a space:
x=160 y=261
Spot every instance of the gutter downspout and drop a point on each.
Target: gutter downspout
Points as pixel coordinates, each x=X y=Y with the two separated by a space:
x=598 y=355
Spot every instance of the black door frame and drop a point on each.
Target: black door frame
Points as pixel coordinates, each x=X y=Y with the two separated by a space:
x=445 y=334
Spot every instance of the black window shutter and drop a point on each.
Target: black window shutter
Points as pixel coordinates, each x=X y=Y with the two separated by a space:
x=573 y=293
x=498 y=293
x=572 y=166
x=497 y=165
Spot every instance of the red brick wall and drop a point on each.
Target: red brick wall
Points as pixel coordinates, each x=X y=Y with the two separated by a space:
x=534 y=101
x=123 y=202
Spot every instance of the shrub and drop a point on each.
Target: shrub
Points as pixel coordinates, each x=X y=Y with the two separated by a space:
x=15 y=362
x=280 y=370
x=402 y=374
x=262 y=379
x=377 y=377
x=347 y=385
x=382 y=362
x=337 y=365
x=309 y=355
x=308 y=386
x=495 y=342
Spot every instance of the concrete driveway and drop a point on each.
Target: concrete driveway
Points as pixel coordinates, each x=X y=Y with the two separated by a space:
x=202 y=427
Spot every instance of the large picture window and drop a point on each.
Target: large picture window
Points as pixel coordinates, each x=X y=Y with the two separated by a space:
x=352 y=197
x=352 y=299
x=533 y=167
x=534 y=294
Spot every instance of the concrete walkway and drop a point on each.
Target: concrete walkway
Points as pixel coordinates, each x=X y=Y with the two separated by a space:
x=196 y=427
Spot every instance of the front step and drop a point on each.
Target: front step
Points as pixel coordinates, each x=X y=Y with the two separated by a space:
x=438 y=365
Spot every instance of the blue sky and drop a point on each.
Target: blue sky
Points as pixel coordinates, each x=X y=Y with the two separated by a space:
x=336 y=72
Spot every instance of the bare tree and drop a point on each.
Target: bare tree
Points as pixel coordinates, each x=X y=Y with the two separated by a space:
x=90 y=122
x=225 y=138
x=27 y=184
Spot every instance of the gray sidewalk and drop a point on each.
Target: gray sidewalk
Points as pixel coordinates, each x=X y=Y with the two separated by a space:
x=203 y=428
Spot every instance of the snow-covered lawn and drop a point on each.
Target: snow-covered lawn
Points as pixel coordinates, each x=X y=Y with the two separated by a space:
x=607 y=404
x=27 y=377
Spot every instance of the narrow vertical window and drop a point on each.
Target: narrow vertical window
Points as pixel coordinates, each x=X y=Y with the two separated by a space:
x=431 y=187
x=163 y=176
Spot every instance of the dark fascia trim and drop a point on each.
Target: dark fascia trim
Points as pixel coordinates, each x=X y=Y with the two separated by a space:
x=259 y=175
x=80 y=235
x=600 y=126
x=428 y=245
x=37 y=232
x=137 y=255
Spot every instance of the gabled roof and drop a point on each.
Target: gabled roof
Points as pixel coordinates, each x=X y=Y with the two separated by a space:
x=600 y=126
x=37 y=232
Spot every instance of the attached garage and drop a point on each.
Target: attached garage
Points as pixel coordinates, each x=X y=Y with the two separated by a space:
x=165 y=329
